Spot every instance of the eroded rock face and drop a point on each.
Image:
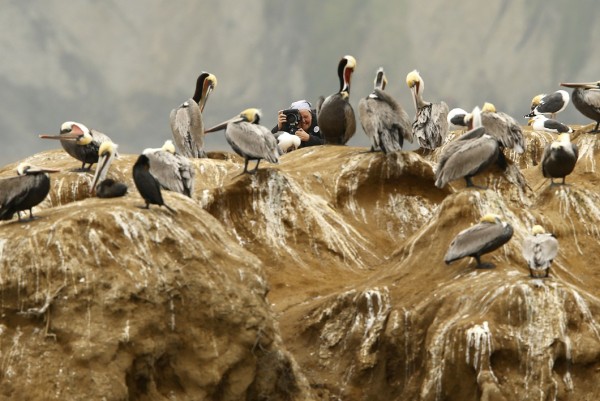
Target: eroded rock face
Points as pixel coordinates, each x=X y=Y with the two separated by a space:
x=318 y=278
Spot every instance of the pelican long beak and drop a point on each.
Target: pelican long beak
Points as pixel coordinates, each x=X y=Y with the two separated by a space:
x=38 y=169
x=62 y=137
x=103 y=163
x=205 y=97
x=223 y=125
x=586 y=85
x=414 y=90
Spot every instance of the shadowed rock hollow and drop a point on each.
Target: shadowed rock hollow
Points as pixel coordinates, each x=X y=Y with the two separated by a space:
x=319 y=278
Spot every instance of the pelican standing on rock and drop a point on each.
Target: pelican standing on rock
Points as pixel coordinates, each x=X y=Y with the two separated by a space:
x=384 y=121
x=25 y=191
x=486 y=236
x=430 y=125
x=106 y=187
x=539 y=249
x=586 y=99
x=543 y=123
x=467 y=156
x=503 y=127
x=174 y=172
x=80 y=142
x=559 y=158
x=186 y=120
x=249 y=139
x=549 y=104
x=146 y=184
x=335 y=114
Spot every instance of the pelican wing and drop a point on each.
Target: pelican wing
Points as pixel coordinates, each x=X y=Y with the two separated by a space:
x=369 y=120
x=505 y=129
x=396 y=118
x=252 y=141
x=539 y=250
x=465 y=159
x=478 y=239
x=431 y=125
x=188 y=129
x=173 y=172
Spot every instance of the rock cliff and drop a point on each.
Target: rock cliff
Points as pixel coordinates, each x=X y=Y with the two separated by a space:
x=319 y=278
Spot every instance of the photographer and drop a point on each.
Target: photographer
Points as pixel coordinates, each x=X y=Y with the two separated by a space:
x=301 y=121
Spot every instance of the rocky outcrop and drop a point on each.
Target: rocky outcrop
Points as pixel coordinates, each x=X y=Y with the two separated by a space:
x=318 y=278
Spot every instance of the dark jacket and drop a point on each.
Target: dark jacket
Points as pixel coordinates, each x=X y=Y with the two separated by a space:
x=316 y=137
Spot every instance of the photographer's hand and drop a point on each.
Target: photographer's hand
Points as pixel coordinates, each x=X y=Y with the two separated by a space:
x=281 y=119
x=300 y=133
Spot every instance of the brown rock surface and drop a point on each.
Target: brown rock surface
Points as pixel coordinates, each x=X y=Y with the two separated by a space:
x=319 y=278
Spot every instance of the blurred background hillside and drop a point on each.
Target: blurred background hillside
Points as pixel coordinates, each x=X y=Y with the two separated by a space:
x=121 y=66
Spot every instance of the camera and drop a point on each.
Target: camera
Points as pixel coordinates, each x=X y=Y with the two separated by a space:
x=292 y=119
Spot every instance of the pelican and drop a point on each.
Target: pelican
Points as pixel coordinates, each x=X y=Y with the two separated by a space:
x=456 y=118
x=486 y=236
x=287 y=142
x=549 y=104
x=186 y=120
x=173 y=171
x=586 y=99
x=106 y=188
x=559 y=158
x=249 y=139
x=467 y=156
x=431 y=124
x=503 y=127
x=146 y=184
x=80 y=142
x=543 y=123
x=24 y=191
x=335 y=114
x=384 y=121
x=539 y=249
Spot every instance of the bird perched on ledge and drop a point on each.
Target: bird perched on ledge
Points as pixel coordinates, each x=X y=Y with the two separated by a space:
x=543 y=123
x=334 y=113
x=559 y=158
x=539 y=250
x=25 y=191
x=383 y=119
x=146 y=184
x=80 y=142
x=106 y=188
x=486 y=236
x=249 y=139
x=586 y=99
x=549 y=104
x=186 y=120
x=431 y=125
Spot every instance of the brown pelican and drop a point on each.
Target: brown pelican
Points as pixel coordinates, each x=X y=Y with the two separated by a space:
x=587 y=100
x=559 y=158
x=146 y=184
x=503 y=127
x=549 y=104
x=287 y=142
x=80 y=142
x=186 y=120
x=467 y=156
x=25 y=191
x=384 y=121
x=173 y=171
x=335 y=114
x=106 y=188
x=539 y=249
x=431 y=124
x=488 y=235
x=543 y=123
x=249 y=139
